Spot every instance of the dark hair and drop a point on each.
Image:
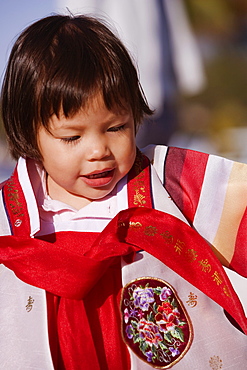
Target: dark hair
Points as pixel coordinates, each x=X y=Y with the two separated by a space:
x=56 y=65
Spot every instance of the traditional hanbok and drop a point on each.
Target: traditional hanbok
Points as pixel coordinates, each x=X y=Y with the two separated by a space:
x=131 y=281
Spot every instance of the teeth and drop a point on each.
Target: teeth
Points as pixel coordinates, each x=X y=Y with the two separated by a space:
x=95 y=176
x=98 y=175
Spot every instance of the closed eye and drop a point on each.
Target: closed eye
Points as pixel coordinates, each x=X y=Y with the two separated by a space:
x=69 y=140
x=116 y=128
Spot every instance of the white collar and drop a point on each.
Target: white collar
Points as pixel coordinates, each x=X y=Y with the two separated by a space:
x=35 y=193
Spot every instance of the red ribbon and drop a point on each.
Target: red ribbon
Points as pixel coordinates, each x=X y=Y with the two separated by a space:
x=69 y=268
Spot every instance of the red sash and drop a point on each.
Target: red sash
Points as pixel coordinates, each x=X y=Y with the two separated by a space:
x=82 y=271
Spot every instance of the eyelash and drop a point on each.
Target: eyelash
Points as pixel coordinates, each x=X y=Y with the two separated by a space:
x=75 y=139
x=70 y=140
x=117 y=128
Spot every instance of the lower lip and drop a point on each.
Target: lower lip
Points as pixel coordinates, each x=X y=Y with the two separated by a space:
x=100 y=181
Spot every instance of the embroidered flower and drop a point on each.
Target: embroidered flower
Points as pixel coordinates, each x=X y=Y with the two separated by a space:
x=129 y=331
x=167 y=317
x=126 y=315
x=174 y=351
x=149 y=332
x=165 y=293
x=149 y=355
x=143 y=297
x=134 y=312
x=140 y=314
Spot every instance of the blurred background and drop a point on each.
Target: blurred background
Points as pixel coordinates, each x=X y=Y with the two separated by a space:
x=192 y=61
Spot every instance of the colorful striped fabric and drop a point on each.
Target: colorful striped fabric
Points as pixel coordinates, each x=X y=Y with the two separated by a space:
x=212 y=194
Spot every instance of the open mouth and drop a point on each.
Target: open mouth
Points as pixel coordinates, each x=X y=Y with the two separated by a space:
x=99 y=179
x=99 y=175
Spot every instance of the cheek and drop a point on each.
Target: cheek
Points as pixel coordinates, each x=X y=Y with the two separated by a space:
x=55 y=154
x=128 y=156
x=61 y=166
x=57 y=164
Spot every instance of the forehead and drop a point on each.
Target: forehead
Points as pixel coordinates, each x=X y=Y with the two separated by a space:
x=95 y=111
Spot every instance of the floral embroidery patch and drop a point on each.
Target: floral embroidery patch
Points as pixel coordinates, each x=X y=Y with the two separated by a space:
x=155 y=323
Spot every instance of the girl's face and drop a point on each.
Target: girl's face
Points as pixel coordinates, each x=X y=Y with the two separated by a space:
x=86 y=155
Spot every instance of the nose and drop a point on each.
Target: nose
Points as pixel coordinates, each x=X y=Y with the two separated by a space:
x=97 y=148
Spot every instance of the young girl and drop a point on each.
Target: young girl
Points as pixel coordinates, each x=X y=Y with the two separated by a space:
x=109 y=261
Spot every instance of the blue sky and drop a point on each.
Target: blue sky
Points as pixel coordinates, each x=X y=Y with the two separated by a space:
x=15 y=15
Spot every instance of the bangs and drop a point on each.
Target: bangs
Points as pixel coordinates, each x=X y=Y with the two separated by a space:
x=82 y=63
